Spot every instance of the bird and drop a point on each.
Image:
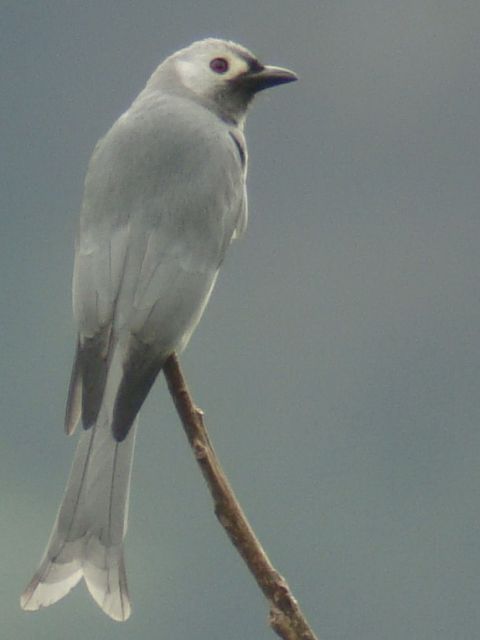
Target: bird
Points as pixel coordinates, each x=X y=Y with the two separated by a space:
x=164 y=197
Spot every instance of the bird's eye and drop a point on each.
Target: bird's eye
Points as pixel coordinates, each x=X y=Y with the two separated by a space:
x=219 y=65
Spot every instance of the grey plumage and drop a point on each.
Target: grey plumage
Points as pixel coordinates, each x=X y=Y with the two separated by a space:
x=164 y=197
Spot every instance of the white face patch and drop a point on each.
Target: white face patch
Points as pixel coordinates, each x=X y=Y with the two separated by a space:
x=199 y=76
x=236 y=66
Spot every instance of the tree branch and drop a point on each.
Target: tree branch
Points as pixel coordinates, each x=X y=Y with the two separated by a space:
x=286 y=618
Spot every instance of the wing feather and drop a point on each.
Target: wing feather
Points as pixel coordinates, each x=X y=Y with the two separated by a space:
x=159 y=212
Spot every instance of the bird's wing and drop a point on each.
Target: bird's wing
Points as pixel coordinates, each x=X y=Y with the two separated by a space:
x=98 y=271
x=161 y=206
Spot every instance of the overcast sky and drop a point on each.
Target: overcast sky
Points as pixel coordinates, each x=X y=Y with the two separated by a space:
x=338 y=360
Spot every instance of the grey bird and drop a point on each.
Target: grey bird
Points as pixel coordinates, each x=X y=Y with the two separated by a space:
x=164 y=197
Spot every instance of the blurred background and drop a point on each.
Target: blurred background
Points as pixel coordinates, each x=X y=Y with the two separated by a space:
x=338 y=360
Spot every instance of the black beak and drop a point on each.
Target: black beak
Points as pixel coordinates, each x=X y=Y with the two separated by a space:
x=265 y=77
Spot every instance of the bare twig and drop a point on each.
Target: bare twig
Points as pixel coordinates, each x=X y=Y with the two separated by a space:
x=286 y=618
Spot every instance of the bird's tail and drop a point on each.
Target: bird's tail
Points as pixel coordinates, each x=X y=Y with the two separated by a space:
x=87 y=537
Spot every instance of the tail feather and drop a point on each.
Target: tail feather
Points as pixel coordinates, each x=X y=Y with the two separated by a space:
x=50 y=583
x=87 y=537
x=106 y=580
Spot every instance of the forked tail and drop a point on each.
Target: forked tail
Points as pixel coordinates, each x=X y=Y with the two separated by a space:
x=87 y=537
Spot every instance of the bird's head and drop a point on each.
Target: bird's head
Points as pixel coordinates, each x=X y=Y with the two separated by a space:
x=221 y=74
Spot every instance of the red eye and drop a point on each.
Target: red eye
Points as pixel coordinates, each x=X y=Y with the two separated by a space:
x=219 y=65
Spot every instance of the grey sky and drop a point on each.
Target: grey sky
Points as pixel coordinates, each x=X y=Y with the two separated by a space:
x=338 y=360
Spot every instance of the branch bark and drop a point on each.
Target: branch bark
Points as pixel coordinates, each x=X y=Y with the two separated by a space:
x=285 y=618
